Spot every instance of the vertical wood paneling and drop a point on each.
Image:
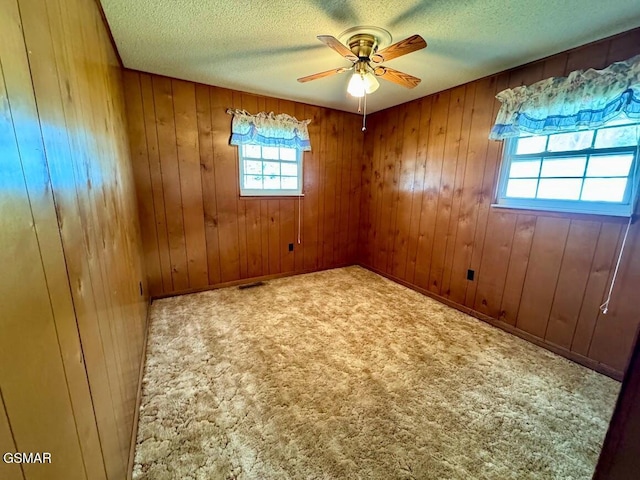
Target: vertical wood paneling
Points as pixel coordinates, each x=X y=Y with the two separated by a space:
x=614 y=334
x=446 y=188
x=388 y=172
x=144 y=196
x=442 y=286
x=572 y=280
x=431 y=185
x=168 y=152
x=155 y=172
x=342 y=192
x=329 y=188
x=543 y=273
x=599 y=277
x=406 y=188
x=547 y=250
x=312 y=199
x=481 y=122
x=208 y=181
x=8 y=471
x=241 y=208
x=356 y=163
x=299 y=214
x=214 y=235
x=72 y=331
x=485 y=197
x=517 y=269
x=184 y=101
x=400 y=174
x=423 y=106
x=31 y=368
x=495 y=262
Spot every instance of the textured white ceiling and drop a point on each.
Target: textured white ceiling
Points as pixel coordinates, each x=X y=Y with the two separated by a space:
x=263 y=46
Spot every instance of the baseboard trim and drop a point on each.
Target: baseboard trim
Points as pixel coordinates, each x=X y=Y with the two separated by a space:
x=244 y=281
x=563 y=352
x=136 y=413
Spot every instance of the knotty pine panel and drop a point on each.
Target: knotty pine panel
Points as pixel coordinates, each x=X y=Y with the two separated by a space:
x=73 y=330
x=544 y=273
x=189 y=188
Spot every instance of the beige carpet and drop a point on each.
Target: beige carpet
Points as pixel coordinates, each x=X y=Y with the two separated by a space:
x=343 y=374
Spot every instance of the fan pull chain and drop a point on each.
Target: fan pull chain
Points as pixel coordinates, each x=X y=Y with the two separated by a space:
x=605 y=306
x=299 y=216
x=364 y=116
x=359 y=104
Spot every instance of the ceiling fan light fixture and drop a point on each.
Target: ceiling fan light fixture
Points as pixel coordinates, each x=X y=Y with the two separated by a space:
x=362 y=83
x=371 y=83
x=356 y=87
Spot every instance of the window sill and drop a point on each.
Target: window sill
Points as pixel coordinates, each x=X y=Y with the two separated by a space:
x=276 y=196
x=559 y=212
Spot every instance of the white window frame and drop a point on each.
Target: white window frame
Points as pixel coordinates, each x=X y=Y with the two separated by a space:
x=261 y=192
x=621 y=209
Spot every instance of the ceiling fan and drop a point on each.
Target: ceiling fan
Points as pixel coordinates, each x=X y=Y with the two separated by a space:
x=363 y=53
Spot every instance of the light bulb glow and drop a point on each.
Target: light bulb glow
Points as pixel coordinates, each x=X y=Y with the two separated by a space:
x=361 y=83
x=356 y=86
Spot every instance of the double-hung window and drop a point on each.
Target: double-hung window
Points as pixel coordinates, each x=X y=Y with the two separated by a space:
x=275 y=171
x=270 y=151
x=587 y=171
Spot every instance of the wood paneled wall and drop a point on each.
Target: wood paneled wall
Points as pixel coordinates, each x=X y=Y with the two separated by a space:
x=72 y=315
x=429 y=179
x=197 y=231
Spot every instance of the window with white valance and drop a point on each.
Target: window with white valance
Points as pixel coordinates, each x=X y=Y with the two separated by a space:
x=572 y=142
x=584 y=99
x=270 y=150
x=572 y=145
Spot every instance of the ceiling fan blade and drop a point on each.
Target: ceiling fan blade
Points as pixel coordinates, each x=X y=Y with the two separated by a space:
x=335 y=44
x=395 y=76
x=315 y=76
x=408 y=45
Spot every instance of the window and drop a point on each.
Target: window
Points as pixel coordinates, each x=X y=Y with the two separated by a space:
x=588 y=171
x=270 y=171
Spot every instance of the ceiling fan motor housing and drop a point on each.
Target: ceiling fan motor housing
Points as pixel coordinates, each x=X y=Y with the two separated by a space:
x=363 y=45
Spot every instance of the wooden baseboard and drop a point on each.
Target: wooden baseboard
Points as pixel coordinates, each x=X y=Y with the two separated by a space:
x=563 y=352
x=136 y=413
x=244 y=281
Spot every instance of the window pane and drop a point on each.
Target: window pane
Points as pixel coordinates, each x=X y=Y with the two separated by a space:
x=604 y=189
x=288 y=154
x=531 y=144
x=270 y=153
x=253 y=181
x=272 y=183
x=521 y=188
x=523 y=169
x=563 y=167
x=271 y=168
x=289 y=183
x=252 y=167
x=252 y=151
x=618 y=137
x=559 y=188
x=290 y=169
x=562 y=142
x=609 y=165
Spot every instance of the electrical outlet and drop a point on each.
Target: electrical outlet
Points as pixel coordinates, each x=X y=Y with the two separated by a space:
x=291 y=247
x=470 y=274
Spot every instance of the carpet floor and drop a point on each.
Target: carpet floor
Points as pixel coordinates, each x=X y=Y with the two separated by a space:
x=343 y=374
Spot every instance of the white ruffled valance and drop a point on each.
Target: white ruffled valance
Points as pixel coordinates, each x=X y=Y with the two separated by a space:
x=584 y=99
x=269 y=130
